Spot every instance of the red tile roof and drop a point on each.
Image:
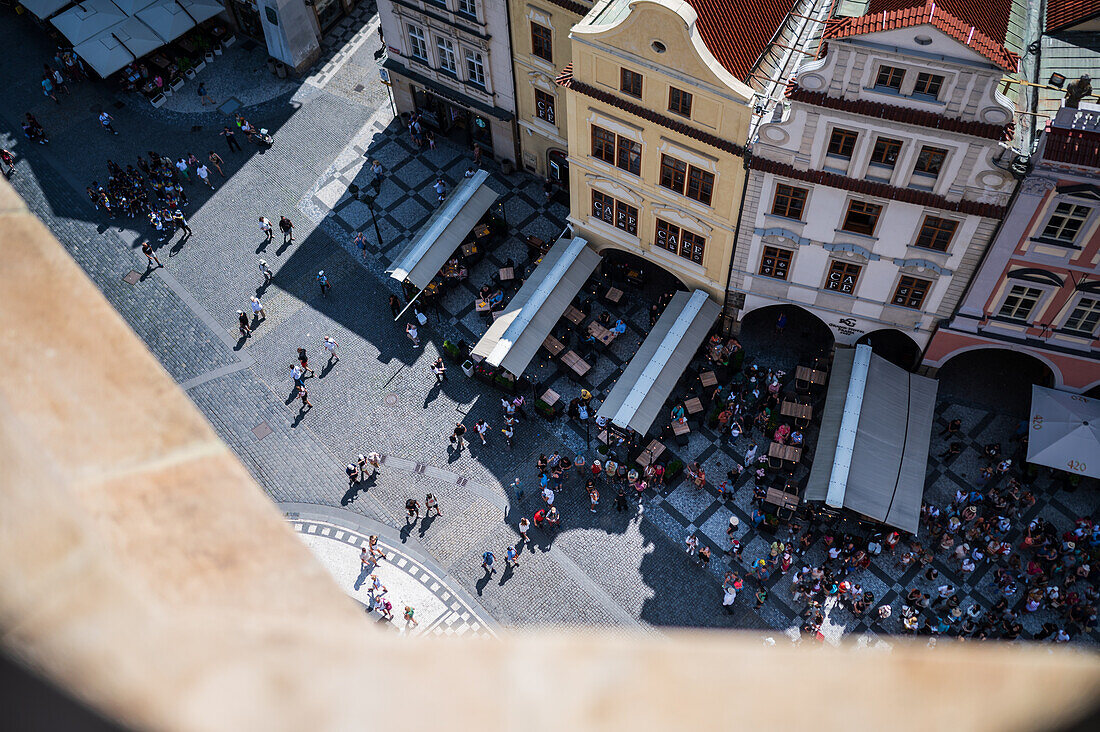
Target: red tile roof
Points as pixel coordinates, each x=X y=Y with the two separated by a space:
x=1075 y=147
x=1064 y=13
x=738 y=31
x=565 y=79
x=573 y=7
x=878 y=190
x=903 y=115
x=980 y=31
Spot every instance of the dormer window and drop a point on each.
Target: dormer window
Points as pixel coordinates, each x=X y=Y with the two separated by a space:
x=928 y=86
x=889 y=77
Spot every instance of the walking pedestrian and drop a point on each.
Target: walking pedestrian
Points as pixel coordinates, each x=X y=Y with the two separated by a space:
x=353 y=475
x=304 y=396
x=750 y=454
x=410 y=331
x=593 y=496
x=322 y=282
x=242 y=321
x=267 y=273
x=181 y=166
x=487 y=560
x=216 y=161
x=409 y=611
x=509 y=434
x=204 y=175
x=524 y=527
x=430 y=504
x=181 y=223
x=303 y=361
x=477 y=155
x=704 y=556
x=481 y=427
x=517 y=487
x=375 y=551
x=377 y=174
x=412 y=510
x=456 y=436
x=203 y=96
x=258 y=309
x=287 y=228
x=230 y=139
x=692 y=544
x=375 y=460
x=395 y=306
x=266 y=228
x=620 y=499
x=510 y=557
x=8 y=158
x=440 y=187
x=47 y=88
x=56 y=76
x=147 y=250
x=440 y=371
x=331 y=346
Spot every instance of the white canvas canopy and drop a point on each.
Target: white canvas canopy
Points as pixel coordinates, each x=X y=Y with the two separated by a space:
x=130 y=7
x=167 y=18
x=88 y=19
x=201 y=10
x=117 y=46
x=1064 y=432
x=43 y=9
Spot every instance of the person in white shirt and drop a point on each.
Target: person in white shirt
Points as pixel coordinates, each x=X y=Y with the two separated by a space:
x=482 y=428
x=258 y=309
x=692 y=543
x=548 y=495
x=204 y=175
x=330 y=346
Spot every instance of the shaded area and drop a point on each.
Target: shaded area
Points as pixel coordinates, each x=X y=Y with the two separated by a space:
x=994 y=378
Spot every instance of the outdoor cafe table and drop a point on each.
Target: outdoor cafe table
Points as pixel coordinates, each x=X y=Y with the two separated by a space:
x=613 y=295
x=795 y=409
x=805 y=373
x=680 y=428
x=482 y=306
x=574 y=316
x=600 y=333
x=553 y=345
x=550 y=398
x=693 y=405
x=651 y=453
x=577 y=364
x=779 y=498
x=789 y=453
x=507 y=273
x=707 y=378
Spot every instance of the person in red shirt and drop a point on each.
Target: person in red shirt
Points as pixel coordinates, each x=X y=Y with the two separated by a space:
x=539 y=518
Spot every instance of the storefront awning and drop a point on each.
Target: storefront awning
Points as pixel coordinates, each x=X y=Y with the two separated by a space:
x=1064 y=432
x=43 y=9
x=640 y=393
x=518 y=331
x=88 y=19
x=437 y=240
x=117 y=46
x=167 y=18
x=201 y=10
x=872 y=450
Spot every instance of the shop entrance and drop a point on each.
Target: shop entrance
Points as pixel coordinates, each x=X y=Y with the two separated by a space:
x=328 y=13
x=456 y=123
x=248 y=19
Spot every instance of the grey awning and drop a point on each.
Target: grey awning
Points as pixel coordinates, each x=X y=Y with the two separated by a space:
x=87 y=19
x=43 y=9
x=433 y=245
x=640 y=393
x=872 y=458
x=117 y=46
x=201 y=10
x=167 y=18
x=517 y=333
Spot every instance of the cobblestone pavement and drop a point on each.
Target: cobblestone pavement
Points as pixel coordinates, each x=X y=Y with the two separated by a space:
x=609 y=569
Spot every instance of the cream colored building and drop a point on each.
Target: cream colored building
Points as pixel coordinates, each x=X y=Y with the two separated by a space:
x=540 y=47
x=658 y=111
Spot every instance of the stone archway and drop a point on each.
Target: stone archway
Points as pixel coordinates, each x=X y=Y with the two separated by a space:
x=804 y=336
x=893 y=345
x=652 y=280
x=998 y=379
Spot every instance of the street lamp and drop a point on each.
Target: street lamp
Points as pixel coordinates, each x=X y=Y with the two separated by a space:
x=367 y=198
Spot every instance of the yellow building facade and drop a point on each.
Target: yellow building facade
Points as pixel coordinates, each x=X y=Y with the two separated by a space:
x=656 y=128
x=540 y=48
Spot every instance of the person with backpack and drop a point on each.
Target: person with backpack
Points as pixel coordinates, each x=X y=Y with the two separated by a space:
x=487 y=560
x=287 y=228
x=412 y=510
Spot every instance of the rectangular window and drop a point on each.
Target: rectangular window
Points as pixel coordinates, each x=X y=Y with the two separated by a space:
x=687 y=244
x=843 y=277
x=418 y=46
x=1019 y=303
x=861 y=218
x=928 y=85
x=886 y=152
x=468 y=7
x=775 y=263
x=910 y=292
x=475 y=68
x=930 y=160
x=1084 y=317
x=789 y=201
x=544 y=106
x=889 y=77
x=603 y=144
x=700 y=185
x=615 y=212
x=842 y=142
x=936 y=233
x=679 y=101
x=628 y=155
x=446 y=51
x=630 y=83
x=673 y=174
x=1066 y=222
x=541 y=44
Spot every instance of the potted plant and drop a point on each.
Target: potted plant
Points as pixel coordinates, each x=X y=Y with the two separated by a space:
x=505 y=381
x=451 y=350
x=468 y=367
x=484 y=372
x=674 y=468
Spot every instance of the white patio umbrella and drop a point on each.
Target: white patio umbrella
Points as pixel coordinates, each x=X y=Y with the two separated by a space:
x=86 y=19
x=202 y=10
x=1064 y=432
x=167 y=18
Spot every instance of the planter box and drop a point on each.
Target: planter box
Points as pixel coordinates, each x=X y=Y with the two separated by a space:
x=451 y=350
x=178 y=84
x=468 y=368
x=158 y=101
x=218 y=50
x=200 y=66
x=546 y=410
x=190 y=73
x=229 y=41
x=504 y=382
x=209 y=56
